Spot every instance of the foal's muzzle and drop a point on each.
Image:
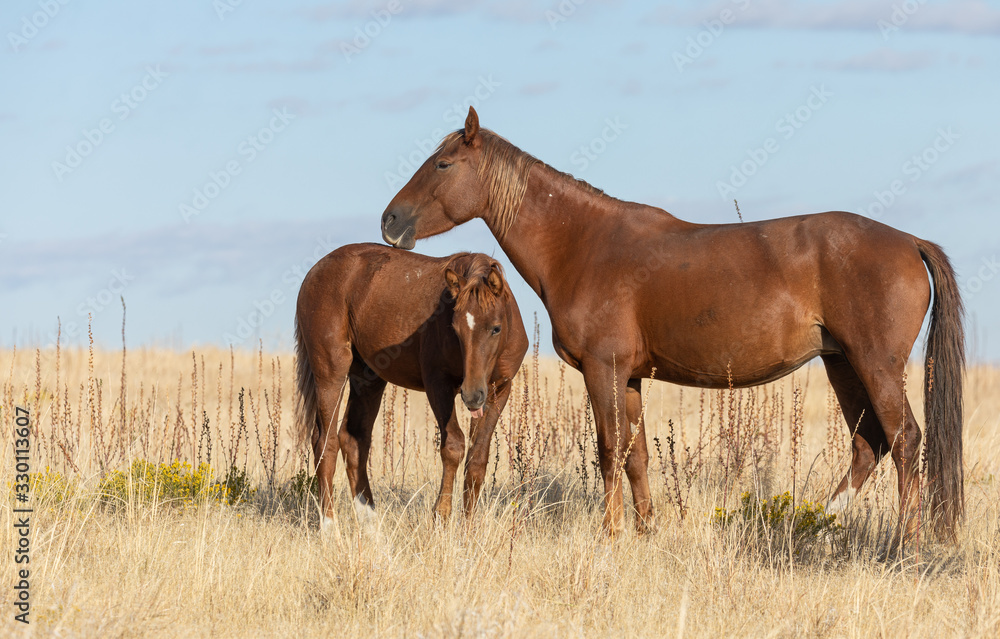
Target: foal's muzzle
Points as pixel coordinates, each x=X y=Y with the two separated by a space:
x=474 y=401
x=398 y=229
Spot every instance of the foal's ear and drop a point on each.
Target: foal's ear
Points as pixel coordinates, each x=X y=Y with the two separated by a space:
x=471 y=126
x=495 y=281
x=454 y=282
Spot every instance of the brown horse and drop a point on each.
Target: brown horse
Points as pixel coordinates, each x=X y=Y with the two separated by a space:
x=630 y=288
x=370 y=315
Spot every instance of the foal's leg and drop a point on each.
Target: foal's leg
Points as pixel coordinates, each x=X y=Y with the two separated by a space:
x=637 y=462
x=605 y=386
x=330 y=372
x=356 y=433
x=441 y=396
x=868 y=442
x=481 y=433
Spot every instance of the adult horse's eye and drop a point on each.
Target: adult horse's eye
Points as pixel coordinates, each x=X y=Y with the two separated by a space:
x=442 y=165
x=496 y=330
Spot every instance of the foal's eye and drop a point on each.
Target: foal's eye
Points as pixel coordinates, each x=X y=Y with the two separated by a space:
x=442 y=165
x=495 y=331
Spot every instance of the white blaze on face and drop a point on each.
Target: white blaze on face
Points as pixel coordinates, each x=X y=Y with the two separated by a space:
x=471 y=320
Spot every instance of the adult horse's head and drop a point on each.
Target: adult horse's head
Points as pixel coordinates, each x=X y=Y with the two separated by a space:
x=473 y=173
x=481 y=296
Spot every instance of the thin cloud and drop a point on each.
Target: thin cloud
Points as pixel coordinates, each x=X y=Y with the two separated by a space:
x=521 y=11
x=960 y=16
x=316 y=64
x=547 y=45
x=367 y=9
x=196 y=254
x=631 y=87
x=406 y=100
x=982 y=173
x=538 y=88
x=883 y=60
x=230 y=49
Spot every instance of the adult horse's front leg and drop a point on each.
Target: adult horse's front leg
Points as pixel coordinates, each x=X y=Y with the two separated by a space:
x=607 y=390
x=637 y=459
x=441 y=396
x=481 y=433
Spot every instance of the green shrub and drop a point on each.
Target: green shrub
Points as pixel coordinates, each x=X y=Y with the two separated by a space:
x=777 y=518
x=303 y=485
x=48 y=487
x=176 y=483
x=236 y=486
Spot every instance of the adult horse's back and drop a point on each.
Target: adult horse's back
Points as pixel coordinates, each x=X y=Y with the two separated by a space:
x=630 y=288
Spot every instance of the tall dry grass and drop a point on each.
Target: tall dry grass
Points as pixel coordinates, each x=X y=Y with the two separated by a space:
x=532 y=562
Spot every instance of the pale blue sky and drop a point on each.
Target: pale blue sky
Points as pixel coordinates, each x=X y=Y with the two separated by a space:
x=693 y=91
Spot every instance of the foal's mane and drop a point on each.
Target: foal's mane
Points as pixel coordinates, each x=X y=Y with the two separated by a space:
x=475 y=293
x=504 y=168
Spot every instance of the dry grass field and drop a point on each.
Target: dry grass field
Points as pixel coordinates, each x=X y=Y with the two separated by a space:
x=126 y=543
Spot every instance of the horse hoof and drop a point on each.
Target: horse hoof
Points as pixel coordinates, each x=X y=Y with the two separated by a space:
x=644 y=527
x=327 y=525
x=364 y=511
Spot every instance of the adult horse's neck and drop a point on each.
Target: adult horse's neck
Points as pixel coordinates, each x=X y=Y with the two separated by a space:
x=561 y=220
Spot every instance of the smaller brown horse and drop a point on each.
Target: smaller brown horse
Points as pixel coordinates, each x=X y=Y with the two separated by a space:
x=372 y=315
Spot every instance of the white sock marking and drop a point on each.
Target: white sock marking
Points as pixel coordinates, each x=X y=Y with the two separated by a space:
x=327 y=525
x=364 y=510
x=840 y=503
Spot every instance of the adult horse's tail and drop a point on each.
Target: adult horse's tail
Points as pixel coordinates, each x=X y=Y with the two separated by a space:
x=306 y=411
x=944 y=365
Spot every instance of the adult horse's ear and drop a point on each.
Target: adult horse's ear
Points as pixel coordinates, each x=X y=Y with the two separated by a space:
x=471 y=126
x=454 y=282
x=495 y=281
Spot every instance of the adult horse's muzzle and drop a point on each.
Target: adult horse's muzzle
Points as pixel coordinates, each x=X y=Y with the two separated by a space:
x=398 y=229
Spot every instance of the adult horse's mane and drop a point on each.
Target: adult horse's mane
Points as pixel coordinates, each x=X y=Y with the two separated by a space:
x=476 y=268
x=505 y=169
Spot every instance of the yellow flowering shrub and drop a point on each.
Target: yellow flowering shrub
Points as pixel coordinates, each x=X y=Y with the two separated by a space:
x=777 y=517
x=176 y=483
x=49 y=487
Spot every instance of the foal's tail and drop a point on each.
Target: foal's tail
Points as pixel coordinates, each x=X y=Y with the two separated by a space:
x=306 y=412
x=944 y=365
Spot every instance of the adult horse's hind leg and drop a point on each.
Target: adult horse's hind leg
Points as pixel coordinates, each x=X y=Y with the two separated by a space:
x=871 y=378
x=868 y=442
x=441 y=396
x=882 y=376
x=356 y=433
x=637 y=462
x=481 y=433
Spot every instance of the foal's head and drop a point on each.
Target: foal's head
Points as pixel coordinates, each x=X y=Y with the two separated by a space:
x=477 y=285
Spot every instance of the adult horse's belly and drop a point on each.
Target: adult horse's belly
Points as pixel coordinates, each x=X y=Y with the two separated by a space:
x=748 y=365
x=754 y=331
